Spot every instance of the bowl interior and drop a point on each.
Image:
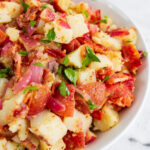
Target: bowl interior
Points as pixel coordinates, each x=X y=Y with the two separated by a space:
x=128 y=115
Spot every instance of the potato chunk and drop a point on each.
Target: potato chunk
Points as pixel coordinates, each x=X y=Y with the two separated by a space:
x=79 y=122
x=48 y=126
x=3 y=83
x=13 y=34
x=106 y=41
x=110 y=119
x=8 y=11
x=9 y=106
x=78 y=25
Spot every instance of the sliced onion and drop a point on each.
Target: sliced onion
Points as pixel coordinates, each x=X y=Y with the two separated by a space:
x=37 y=73
x=23 y=83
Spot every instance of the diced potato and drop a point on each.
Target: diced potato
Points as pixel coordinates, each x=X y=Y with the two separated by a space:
x=6 y=114
x=107 y=41
x=33 y=2
x=86 y=76
x=48 y=126
x=60 y=145
x=13 y=34
x=40 y=27
x=63 y=35
x=79 y=122
x=19 y=125
x=3 y=143
x=13 y=146
x=104 y=62
x=81 y=6
x=9 y=93
x=75 y=58
x=64 y=4
x=8 y=11
x=110 y=119
x=3 y=83
x=78 y=25
x=116 y=59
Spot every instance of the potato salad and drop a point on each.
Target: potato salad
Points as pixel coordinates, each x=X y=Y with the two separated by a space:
x=66 y=72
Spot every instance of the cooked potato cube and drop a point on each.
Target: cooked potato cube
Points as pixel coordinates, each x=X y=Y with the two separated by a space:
x=78 y=25
x=3 y=143
x=8 y=11
x=81 y=6
x=110 y=119
x=79 y=122
x=75 y=58
x=60 y=145
x=6 y=114
x=86 y=76
x=104 y=62
x=19 y=125
x=3 y=83
x=48 y=126
x=107 y=41
x=64 y=4
x=13 y=146
x=9 y=93
x=13 y=34
x=116 y=59
x=33 y=2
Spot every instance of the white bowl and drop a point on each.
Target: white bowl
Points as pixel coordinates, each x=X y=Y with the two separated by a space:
x=127 y=117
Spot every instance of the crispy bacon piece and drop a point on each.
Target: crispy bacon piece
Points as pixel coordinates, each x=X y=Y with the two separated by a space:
x=56 y=53
x=89 y=137
x=74 y=140
x=93 y=28
x=103 y=73
x=95 y=15
x=30 y=30
x=7 y=48
x=57 y=7
x=2 y=36
x=97 y=114
x=132 y=57
x=121 y=94
x=92 y=91
x=47 y=15
x=38 y=100
x=67 y=101
x=120 y=77
x=64 y=23
x=73 y=45
x=28 y=42
x=119 y=32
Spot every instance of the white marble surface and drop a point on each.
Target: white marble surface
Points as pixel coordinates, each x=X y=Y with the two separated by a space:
x=139 y=10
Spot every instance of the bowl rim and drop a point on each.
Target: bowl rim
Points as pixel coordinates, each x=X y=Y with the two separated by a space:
x=117 y=137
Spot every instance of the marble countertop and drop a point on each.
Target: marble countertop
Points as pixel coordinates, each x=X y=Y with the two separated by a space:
x=138 y=135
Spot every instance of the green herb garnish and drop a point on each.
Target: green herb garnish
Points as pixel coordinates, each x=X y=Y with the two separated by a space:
x=85 y=13
x=49 y=37
x=4 y=72
x=71 y=75
x=60 y=70
x=101 y=21
x=91 y=105
x=39 y=64
x=32 y=23
x=43 y=6
x=66 y=60
x=90 y=56
x=63 y=89
x=25 y=6
x=79 y=94
x=106 y=78
x=128 y=41
x=23 y=53
x=58 y=44
x=30 y=89
x=144 y=54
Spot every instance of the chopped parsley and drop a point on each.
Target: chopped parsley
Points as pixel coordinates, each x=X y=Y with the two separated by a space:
x=32 y=23
x=144 y=54
x=23 y=53
x=85 y=13
x=4 y=72
x=24 y=5
x=63 y=89
x=49 y=37
x=43 y=6
x=71 y=75
x=101 y=21
x=30 y=89
x=91 y=105
x=90 y=56
x=58 y=44
x=79 y=94
x=60 y=70
x=128 y=41
x=106 y=78
x=39 y=64
x=66 y=60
